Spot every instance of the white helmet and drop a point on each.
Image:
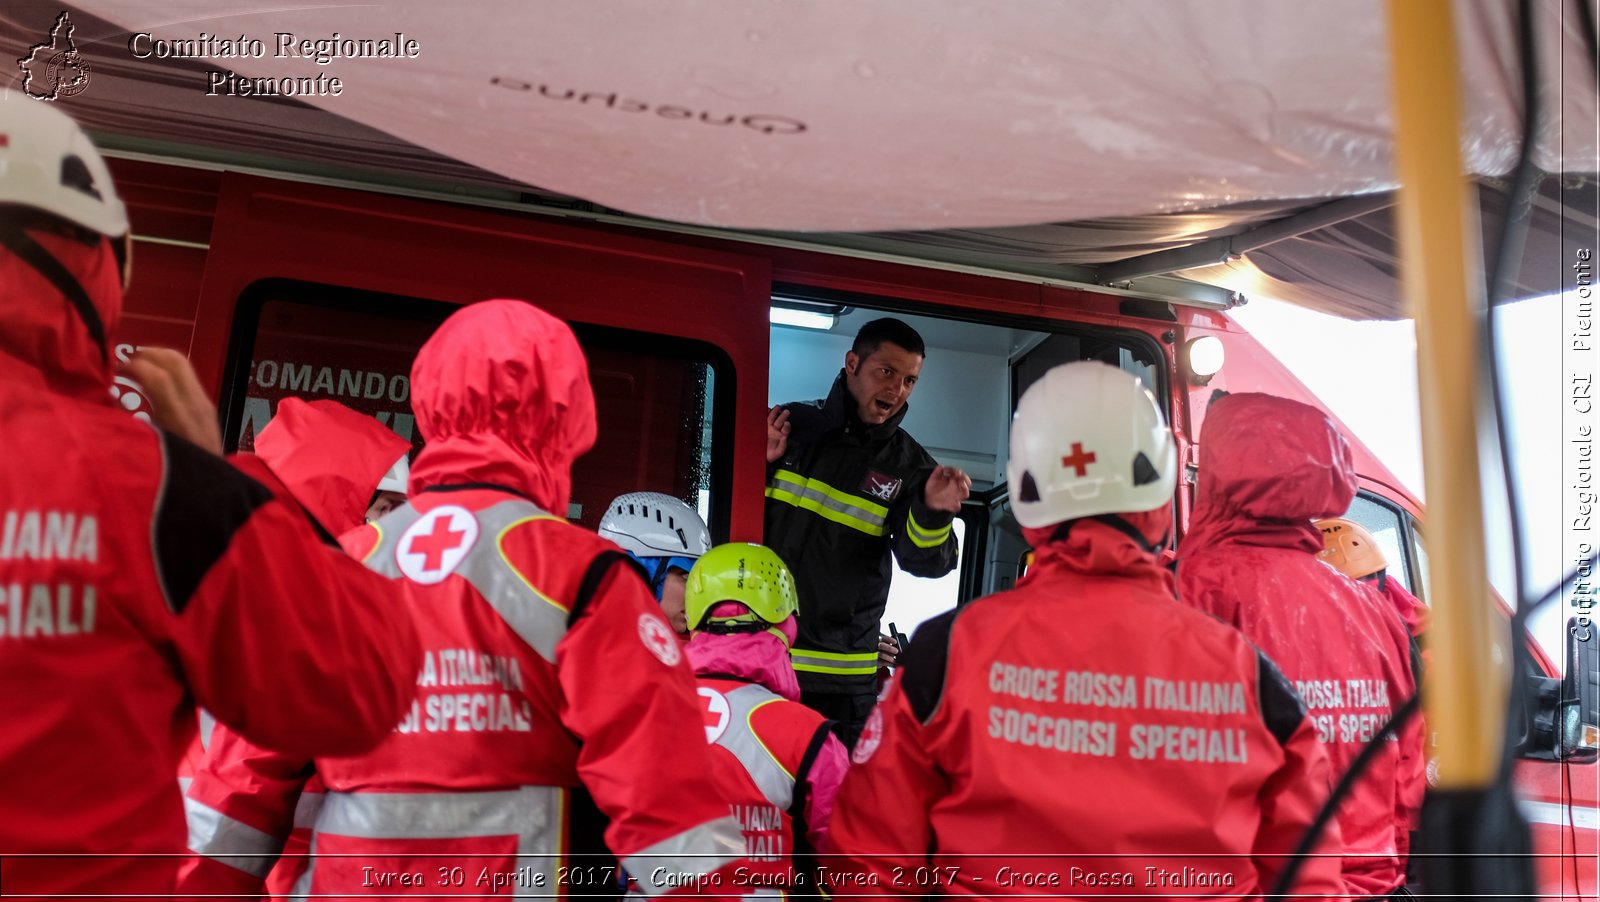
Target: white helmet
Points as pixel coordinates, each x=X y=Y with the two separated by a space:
x=651 y=524
x=1088 y=439
x=395 y=479
x=49 y=164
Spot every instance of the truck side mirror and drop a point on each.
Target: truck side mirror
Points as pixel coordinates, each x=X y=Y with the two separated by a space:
x=1578 y=733
x=1562 y=723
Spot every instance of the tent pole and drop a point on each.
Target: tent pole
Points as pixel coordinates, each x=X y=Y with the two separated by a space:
x=1441 y=279
x=1472 y=811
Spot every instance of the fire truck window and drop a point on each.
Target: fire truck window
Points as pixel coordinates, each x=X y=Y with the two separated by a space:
x=654 y=396
x=913 y=599
x=1387 y=527
x=1054 y=350
x=1422 y=563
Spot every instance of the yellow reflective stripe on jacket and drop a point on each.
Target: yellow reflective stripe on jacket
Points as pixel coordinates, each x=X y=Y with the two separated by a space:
x=926 y=538
x=828 y=502
x=851 y=663
x=799 y=482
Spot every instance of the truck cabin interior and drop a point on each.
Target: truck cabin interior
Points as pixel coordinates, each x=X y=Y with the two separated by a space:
x=960 y=412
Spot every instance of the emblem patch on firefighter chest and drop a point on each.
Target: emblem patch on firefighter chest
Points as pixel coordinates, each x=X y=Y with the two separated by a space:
x=881 y=486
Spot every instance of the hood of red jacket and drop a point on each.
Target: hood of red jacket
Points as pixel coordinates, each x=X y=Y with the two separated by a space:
x=501 y=394
x=330 y=457
x=43 y=339
x=1094 y=547
x=758 y=657
x=1268 y=468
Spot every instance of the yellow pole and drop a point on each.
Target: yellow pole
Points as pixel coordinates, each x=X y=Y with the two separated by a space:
x=1441 y=274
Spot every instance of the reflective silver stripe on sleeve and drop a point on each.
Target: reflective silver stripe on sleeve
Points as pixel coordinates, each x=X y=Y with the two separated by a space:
x=740 y=738
x=227 y=841
x=301 y=891
x=531 y=813
x=208 y=724
x=537 y=620
x=691 y=854
x=305 y=810
x=524 y=813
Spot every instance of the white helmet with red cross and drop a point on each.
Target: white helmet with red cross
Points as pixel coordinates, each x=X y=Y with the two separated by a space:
x=1088 y=439
x=49 y=164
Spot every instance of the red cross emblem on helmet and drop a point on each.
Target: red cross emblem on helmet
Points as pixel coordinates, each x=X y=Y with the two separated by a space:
x=1078 y=460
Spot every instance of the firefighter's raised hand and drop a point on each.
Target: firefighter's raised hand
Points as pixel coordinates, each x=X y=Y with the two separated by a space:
x=947 y=487
x=777 y=433
x=177 y=401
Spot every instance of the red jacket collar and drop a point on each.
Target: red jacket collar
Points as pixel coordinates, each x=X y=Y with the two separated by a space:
x=43 y=341
x=1094 y=548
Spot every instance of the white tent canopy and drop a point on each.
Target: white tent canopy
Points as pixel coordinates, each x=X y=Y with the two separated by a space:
x=1051 y=138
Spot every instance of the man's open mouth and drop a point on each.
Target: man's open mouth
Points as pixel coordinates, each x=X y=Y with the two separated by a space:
x=883 y=406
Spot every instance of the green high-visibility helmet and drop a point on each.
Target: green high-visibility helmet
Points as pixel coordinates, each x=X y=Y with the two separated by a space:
x=750 y=574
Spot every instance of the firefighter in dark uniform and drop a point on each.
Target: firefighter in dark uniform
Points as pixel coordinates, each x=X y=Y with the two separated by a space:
x=846 y=486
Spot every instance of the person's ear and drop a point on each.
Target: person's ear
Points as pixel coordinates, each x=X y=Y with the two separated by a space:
x=851 y=362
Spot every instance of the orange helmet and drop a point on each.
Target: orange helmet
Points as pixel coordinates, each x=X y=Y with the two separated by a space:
x=1349 y=548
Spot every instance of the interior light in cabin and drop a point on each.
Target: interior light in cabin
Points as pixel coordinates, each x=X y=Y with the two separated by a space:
x=1202 y=358
x=802 y=319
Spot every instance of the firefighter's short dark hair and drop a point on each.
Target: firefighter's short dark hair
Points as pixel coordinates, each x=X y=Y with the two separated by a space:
x=874 y=334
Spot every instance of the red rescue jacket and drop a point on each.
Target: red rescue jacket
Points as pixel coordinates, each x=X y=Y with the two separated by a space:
x=1268 y=467
x=1413 y=612
x=1414 y=760
x=330 y=459
x=1082 y=735
x=139 y=576
x=780 y=756
x=552 y=695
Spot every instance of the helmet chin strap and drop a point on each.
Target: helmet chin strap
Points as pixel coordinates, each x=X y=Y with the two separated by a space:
x=124 y=252
x=658 y=575
x=15 y=238
x=737 y=627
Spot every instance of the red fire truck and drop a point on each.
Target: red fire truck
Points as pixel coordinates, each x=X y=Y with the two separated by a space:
x=279 y=287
